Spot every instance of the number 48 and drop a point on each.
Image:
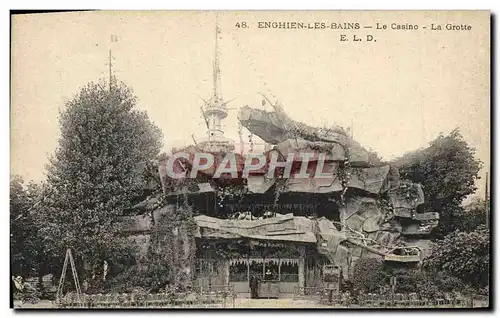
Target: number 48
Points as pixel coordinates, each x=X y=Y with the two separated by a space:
x=241 y=25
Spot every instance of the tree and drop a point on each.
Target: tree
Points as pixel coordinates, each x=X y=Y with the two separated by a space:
x=93 y=173
x=29 y=255
x=463 y=255
x=472 y=215
x=24 y=239
x=447 y=171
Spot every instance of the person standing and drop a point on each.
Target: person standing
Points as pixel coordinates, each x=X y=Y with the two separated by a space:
x=253 y=287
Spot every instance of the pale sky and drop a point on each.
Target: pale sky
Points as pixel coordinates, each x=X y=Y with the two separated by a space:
x=399 y=92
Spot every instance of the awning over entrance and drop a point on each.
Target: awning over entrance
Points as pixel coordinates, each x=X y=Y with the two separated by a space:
x=280 y=228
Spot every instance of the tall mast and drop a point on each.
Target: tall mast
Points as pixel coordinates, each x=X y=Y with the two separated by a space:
x=110 y=64
x=215 y=108
x=113 y=39
x=486 y=204
x=216 y=69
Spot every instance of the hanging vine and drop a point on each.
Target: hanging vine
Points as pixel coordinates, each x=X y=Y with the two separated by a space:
x=173 y=245
x=280 y=187
x=407 y=190
x=240 y=136
x=344 y=174
x=250 y=140
x=231 y=193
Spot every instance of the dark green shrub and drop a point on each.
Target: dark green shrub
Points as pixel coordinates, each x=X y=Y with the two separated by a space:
x=369 y=276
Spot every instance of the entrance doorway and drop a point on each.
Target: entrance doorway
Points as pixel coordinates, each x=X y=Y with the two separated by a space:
x=282 y=274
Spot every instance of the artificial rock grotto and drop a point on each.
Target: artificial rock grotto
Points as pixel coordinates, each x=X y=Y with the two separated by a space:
x=292 y=226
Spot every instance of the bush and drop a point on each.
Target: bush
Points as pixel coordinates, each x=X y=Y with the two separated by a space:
x=452 y=284
x=484 y=291
x=428 y=284
x=417 y=281
x=369 y=276
x=463 y=255
x=151 y=278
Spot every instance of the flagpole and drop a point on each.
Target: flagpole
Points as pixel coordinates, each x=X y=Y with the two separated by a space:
x=486 y=205
x=352 y=128
x=110 y=69
x=113 y=38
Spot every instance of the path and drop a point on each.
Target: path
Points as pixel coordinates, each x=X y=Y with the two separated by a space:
x=276 y=303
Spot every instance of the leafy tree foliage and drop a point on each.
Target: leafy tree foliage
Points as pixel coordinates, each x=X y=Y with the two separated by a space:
x=29 y=256
x=447 y=171
x=463 y=255
x=26 y=244
x=471 y=216
x=92 y=174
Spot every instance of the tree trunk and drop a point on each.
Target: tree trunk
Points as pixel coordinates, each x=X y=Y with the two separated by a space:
x=83 y=274
x=40 y=278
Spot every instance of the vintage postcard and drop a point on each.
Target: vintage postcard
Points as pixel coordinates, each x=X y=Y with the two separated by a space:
x=250 y=159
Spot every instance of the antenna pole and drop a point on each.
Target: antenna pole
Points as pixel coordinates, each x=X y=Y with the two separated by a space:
x=352 y=128
x=216 y=59
x=486 y=205
x=112 y=39
x=110 y=69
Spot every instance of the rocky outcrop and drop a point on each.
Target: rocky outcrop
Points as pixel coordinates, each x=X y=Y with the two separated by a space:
x=278 y=129
x=378 y=214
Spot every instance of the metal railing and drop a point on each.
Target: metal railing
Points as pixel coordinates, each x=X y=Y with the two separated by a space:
x=238 y=277
x=329 y=297
x=414 y=300
x=315 y=293
x=220 y=296
x=289 y=278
